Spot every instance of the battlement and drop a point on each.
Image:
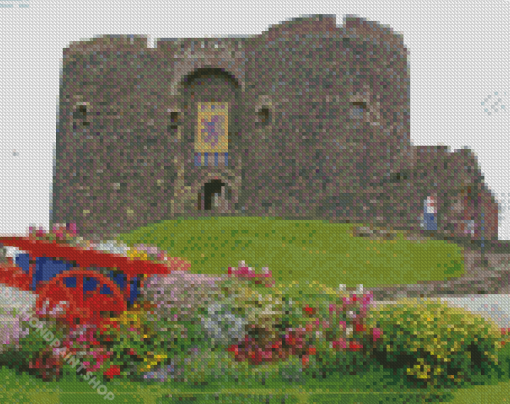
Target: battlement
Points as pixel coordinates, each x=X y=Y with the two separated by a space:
x=304 y=25
x=216 y=47
x=373 y=30
x=108 y=42
x=324 y=24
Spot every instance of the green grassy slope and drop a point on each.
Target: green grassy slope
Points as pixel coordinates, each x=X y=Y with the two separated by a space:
x=302 y=252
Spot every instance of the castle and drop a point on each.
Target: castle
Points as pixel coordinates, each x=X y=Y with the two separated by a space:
x=308 y=120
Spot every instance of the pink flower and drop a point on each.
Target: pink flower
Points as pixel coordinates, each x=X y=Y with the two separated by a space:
x=377 y=332
x=340 y=343
x=71 y=228
x=368 y=298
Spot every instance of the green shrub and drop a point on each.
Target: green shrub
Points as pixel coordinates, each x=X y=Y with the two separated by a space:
x=264 y=311
x=32 y=340
x=142 y=349
x=432 y=343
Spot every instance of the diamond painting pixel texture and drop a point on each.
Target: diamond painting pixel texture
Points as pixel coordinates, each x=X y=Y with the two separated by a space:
x=307 y=120
x=318 y=127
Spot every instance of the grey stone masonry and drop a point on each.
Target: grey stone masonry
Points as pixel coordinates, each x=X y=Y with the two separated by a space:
x=308 y=120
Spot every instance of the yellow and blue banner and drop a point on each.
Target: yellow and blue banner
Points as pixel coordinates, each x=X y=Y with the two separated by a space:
x=212 y=128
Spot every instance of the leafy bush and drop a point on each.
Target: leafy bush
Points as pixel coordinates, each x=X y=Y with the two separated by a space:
x=140 y=343
x=265 y=316
x=32 y=351
x=435 y=344
x=178 y=296
x=12 y=331
x=222 y=326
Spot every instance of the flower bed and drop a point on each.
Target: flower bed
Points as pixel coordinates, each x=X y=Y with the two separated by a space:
x=343 y=335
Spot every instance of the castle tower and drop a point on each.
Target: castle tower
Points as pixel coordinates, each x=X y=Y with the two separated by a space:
x=308 y=120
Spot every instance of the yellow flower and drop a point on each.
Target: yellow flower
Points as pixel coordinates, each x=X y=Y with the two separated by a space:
x=134 y=253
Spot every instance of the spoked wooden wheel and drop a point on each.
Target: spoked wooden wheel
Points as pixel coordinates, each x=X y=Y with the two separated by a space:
x=90 y=295
x=56 y=302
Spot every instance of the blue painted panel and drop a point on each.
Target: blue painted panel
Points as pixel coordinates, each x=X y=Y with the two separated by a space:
x=47 y=268
x=23 y=261
x=89 y=284
x=105 y=290
x=133 y=290
x=119 y=278
x=70 y=281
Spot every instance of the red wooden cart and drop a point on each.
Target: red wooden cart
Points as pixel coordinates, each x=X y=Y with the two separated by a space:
x=85 y=295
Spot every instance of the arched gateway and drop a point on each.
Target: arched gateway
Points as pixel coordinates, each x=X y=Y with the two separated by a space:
x=215 y=196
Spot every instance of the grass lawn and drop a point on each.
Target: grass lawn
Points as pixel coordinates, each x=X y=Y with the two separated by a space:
x=301 y=252
x=308 y=259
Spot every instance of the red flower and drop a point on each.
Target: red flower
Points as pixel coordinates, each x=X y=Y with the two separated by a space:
x=353 y=346
x=277 y=345
x=360 y=328
x=309 y=310
x=290 y=340
x=233 y=348
x=113 y=371
x=312 y=351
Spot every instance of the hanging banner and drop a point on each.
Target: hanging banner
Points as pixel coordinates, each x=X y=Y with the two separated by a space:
x=212 y=128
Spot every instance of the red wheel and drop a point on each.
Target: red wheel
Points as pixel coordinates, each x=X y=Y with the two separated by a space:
x=57 y=299
x=90 y=294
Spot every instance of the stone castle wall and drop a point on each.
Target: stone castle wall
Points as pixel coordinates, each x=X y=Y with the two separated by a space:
x=317 y=127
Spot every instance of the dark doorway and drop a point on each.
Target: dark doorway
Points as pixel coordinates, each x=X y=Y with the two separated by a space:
x=210 y=188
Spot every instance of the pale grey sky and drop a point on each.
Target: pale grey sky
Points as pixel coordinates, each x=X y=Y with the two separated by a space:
x=459 y=62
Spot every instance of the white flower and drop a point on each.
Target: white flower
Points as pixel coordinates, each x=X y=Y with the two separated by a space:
x=113 y=247
x=342 y=288
x=360 y=289
x=349 y=331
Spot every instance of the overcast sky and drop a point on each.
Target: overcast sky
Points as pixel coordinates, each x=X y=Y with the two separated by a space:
x=459 y=63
